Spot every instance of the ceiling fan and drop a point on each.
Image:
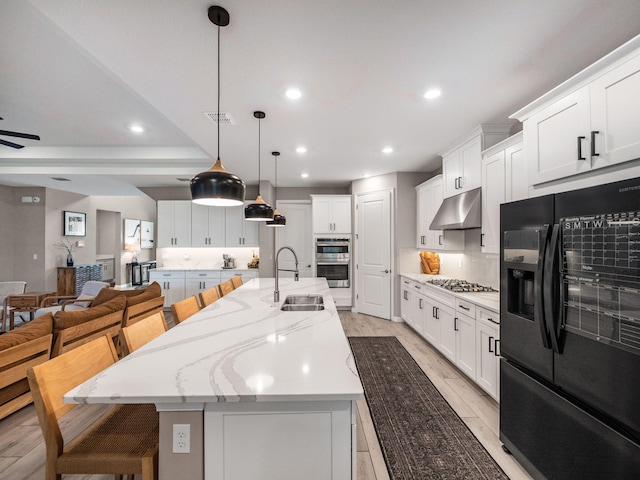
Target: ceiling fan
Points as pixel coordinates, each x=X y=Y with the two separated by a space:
x=16 y=134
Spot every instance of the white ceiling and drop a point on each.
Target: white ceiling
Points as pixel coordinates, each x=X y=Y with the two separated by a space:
x=79 y=72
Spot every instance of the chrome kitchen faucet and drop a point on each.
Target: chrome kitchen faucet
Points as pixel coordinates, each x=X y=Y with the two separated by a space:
x=276 y=292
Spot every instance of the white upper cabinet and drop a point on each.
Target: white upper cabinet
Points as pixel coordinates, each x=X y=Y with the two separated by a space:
x=240 y=232
x=174 y=223
x=556 y=139
x=429 y=198
x=587 y=123
x=207 y=226
x=504 y=179
x=331 y=214
x=461 y=164
x=615 y=115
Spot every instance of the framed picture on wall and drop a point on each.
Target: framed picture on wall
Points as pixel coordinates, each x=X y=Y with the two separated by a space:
x=131 y=232
x=146 y=234
x=74 y=224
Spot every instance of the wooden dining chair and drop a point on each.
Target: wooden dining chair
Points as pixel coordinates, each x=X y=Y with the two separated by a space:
x=207 y=297
x=226 y=288
x=237 y=281
x=185 y=308
x=143 y=331
x=122 y=441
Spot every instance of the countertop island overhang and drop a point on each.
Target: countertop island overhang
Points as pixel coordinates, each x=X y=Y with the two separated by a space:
x=252 y=381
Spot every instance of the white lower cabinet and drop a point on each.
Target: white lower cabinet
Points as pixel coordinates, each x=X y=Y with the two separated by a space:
x=199 y=281
x=465 y=333
x=172 y=283
x=488 y=352
x=179 y=284
x=465 y=330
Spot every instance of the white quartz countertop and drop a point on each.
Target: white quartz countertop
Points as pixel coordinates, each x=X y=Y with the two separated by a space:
x=488 y=300
x=241 y=348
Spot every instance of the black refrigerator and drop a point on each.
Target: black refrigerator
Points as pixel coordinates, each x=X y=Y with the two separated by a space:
x=570 y=332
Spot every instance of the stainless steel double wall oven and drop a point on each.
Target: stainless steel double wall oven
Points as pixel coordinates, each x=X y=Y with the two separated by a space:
x=333 y=261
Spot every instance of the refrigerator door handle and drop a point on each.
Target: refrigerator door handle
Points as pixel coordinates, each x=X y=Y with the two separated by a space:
x=552 y=284
x=538 y=288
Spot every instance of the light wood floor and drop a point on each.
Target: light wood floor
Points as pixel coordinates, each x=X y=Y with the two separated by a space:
x=22 y=450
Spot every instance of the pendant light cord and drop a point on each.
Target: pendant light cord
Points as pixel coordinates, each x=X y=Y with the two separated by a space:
x=259 y=131
x=275 y=192
x=218 y=92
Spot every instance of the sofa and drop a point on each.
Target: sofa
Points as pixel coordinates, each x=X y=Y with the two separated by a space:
x=21 y=349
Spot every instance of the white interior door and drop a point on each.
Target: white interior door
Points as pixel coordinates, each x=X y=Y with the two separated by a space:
x=373 y=254
x=296 y=234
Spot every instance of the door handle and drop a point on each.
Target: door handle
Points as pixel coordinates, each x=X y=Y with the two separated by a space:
x=384 y=271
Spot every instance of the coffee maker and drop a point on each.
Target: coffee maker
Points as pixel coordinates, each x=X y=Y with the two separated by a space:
x=229 y=261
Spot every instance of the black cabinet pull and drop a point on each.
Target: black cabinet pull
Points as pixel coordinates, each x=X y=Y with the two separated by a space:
x=455 y=323
x=439 y=239
x=497 y=344
x=580 y=157
x=490 y=348
x=482 y=240
x=593 y=143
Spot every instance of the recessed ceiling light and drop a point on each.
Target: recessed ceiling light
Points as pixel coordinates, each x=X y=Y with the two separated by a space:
x=301 y=149
x=304 y=175
x=136 y=128
x=387 y=150
x=431 y=94
x=293 y=93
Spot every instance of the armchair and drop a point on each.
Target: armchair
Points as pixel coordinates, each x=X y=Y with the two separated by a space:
x=6 y=290
x=56 y=303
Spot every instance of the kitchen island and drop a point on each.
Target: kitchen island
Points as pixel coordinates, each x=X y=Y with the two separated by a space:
x=265 y=393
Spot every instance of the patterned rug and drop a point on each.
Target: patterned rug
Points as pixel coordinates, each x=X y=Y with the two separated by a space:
x=420 y=435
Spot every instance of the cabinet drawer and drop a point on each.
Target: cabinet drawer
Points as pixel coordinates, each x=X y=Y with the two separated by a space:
x=466 y=308
x=203 y=274
x=440 y=295
x=166 y=275
x=488 y=317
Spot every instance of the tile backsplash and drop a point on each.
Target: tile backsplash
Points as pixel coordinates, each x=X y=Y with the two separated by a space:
x=471 y=265
x=187 y=258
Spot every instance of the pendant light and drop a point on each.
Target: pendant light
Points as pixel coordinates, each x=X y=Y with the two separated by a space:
x=259 y=210
x=217 y=186
x=278 y=219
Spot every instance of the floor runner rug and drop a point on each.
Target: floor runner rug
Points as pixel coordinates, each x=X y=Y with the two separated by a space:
x=420 y=435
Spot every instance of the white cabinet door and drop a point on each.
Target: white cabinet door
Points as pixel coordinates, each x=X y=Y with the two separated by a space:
x=451 y=173
x=446 y=316
x=465 y=327
x=555 y=139
x=406 y=301
x=432 y=323
x=615 y=115
x=172 y=284
x=517 y=173
x=342 y=215
x=207 y=226
x=429 y=196
x=487 y=357
x=174 y=223
x=239 y=232
x=470 y=157
x=461 y=168
x=331 y=214
x=493 y=194
x=199 y=281
x=321 y=213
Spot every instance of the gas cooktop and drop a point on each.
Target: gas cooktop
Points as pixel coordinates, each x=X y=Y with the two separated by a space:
x=460 y=285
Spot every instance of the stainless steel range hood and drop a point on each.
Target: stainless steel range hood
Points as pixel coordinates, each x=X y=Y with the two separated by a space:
x=459 y=212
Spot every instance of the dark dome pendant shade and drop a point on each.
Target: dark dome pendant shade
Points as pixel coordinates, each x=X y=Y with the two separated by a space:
x=217 y=186
x=259 y=210
x=278 y=219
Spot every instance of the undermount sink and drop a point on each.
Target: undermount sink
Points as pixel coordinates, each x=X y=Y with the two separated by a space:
x=302 y=303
